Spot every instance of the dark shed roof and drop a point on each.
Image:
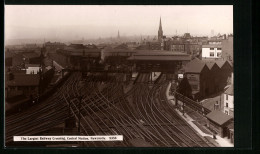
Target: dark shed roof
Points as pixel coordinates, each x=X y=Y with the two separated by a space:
x=195 y=66
x=218 y=117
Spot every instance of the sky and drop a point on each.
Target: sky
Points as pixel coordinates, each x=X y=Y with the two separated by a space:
x=88 y=22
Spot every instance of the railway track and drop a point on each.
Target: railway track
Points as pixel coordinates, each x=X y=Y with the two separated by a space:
x=40 y=117
x=141 y=113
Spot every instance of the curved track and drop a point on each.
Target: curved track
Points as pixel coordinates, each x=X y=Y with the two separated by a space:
x=143 y=113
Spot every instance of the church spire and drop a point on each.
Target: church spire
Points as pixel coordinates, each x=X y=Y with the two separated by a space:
x=160 y=31
x=160 y=26
x=118 y=36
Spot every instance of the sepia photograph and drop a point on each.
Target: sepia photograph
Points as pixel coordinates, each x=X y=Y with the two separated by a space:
x=118 y=76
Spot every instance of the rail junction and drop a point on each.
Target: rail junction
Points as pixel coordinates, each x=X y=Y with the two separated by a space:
x=102 y=106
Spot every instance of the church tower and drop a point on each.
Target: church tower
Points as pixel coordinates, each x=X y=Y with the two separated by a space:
x=118 y=35
x=160 y=32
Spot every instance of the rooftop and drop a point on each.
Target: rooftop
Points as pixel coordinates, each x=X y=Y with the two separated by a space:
x=218 y=117
x=77 y=46
x=18 y=71
x=160 y=55
x=212 y=46
x=195 y=66
x=30 y=54
x=220 y=63
x=24 y=80
x=210 y=65
x=110 y=49
x=214 y=40
x=230 y=90
x=32 y=65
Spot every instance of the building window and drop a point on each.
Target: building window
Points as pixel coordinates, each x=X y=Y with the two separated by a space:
x=226 y=97
x=211 y=54
x=219 y=54
x=226 y=104
x=211 y=48
x=218 y=48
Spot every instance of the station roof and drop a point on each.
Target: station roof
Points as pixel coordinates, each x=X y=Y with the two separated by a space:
x=159 y=55
x=110 y=49
x=82 y=52
x=218 y=117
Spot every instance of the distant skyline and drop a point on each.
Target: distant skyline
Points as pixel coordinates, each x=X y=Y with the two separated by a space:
x=91 y=22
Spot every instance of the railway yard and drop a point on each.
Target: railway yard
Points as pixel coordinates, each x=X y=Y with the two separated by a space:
x=143 y=114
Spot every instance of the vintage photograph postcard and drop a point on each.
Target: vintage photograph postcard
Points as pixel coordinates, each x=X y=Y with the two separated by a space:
x=118 y=76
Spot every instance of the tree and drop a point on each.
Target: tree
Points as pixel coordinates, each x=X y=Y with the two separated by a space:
x=185 y=88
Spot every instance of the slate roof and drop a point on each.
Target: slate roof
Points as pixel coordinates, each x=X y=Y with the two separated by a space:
x=18 y=72
x=110 y=49
x=212 y=46
x=77 y=46
x=160 y=58
x=210 y=65
x=230 y=90
x=218 y=117
x=24 y=80
x=195 y=66
x=220 y=63
x=30 y=54
x=159 y=55
x=121 y=46
x=80 y=52
x=32 y=65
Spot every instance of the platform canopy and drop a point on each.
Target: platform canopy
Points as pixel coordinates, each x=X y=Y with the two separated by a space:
x=159 y=55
